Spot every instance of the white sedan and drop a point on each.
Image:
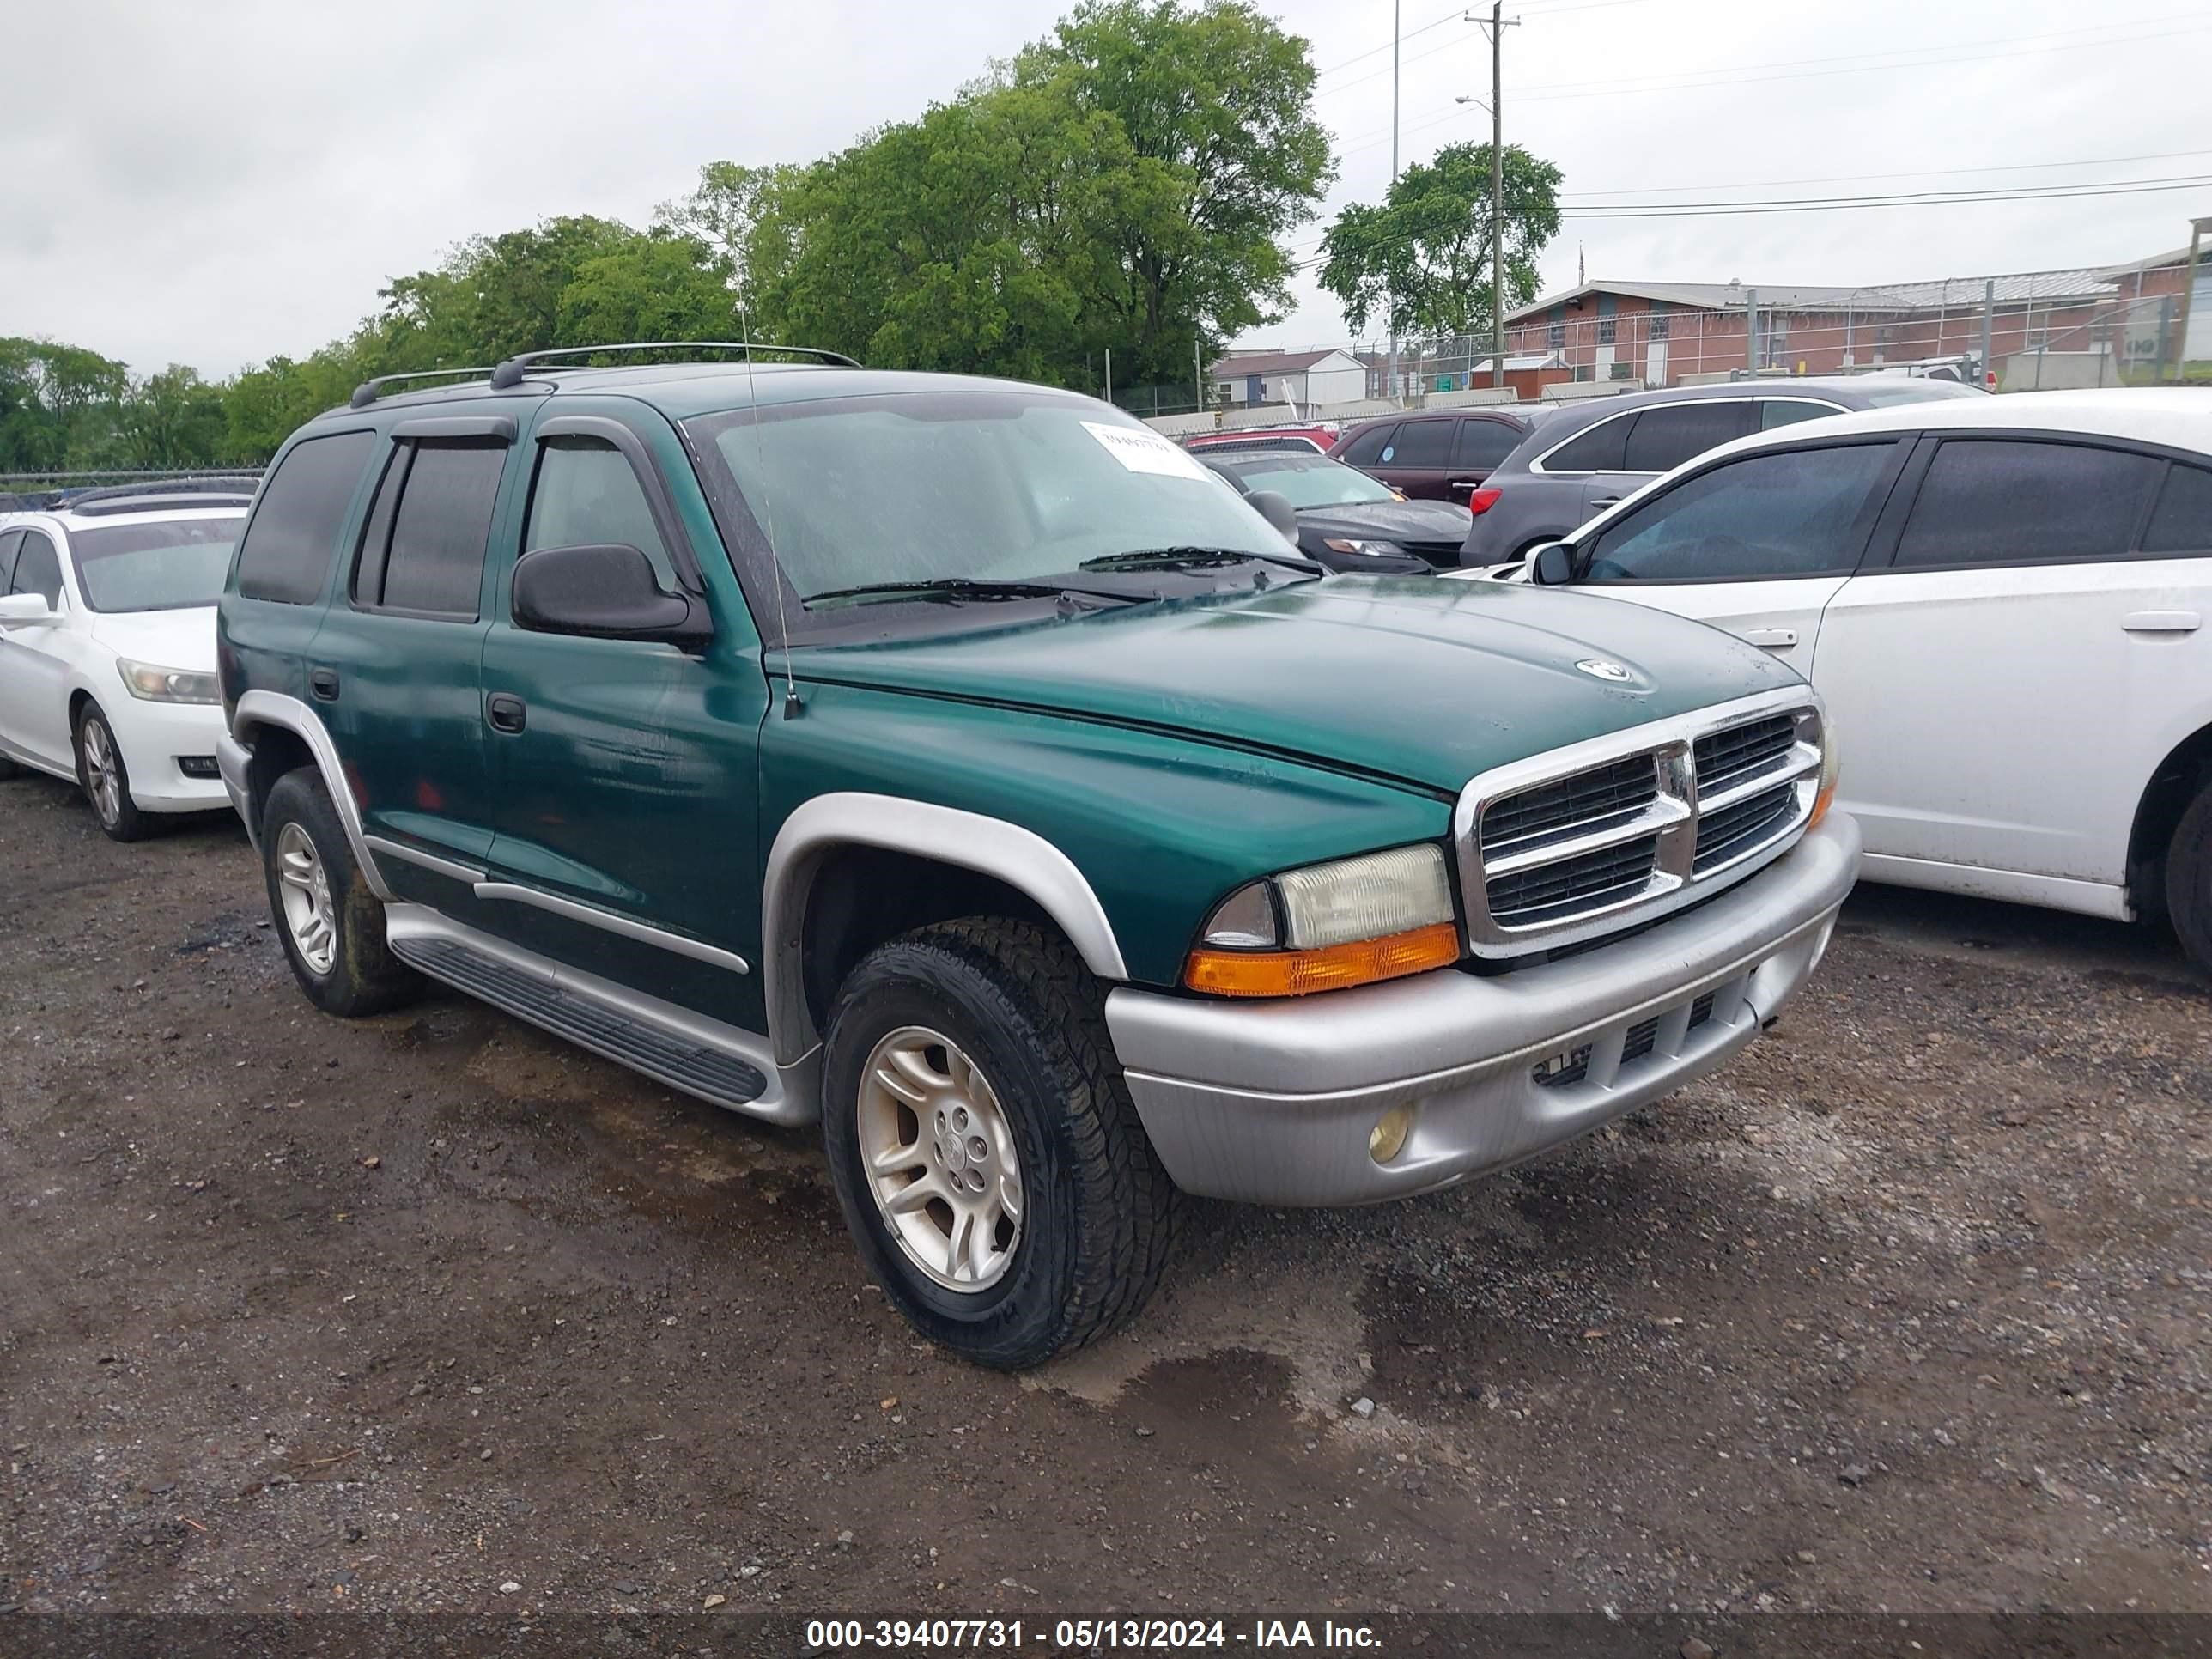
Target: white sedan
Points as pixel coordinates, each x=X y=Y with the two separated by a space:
x=107 y=656
x=2003 y=602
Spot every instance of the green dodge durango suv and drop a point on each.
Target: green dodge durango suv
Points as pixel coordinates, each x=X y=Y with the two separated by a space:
x=962 y=765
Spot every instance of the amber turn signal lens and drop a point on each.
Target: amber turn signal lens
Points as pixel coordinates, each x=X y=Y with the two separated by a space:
x=1821 y=803
x=1332 y=968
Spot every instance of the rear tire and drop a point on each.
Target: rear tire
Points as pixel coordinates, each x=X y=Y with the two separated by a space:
x=976 y=1051
x=331 y=925
x=2189 y=879
x=105 y=780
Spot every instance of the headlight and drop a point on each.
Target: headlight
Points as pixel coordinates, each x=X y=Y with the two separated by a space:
x=167 y=684
x=1327 y=926
x=1372 y=549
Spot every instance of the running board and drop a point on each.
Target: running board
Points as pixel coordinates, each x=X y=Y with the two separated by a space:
x=686 y=1050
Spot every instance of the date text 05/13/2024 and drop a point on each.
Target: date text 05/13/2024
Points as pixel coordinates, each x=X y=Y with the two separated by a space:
x=833 y=1635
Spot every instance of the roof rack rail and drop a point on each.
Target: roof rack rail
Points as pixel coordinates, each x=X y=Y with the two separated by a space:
x=510 y=373
x=235 y=487
x=368 y=391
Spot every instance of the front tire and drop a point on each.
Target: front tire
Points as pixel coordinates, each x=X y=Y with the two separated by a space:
x=331 y=925
x=106 y=780
x=983 y=1145
x=2189 y=879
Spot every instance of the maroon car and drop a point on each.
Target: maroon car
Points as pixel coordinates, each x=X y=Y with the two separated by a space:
x=1439 y=455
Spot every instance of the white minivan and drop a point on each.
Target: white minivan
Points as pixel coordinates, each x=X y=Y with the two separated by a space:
x=2003 y=601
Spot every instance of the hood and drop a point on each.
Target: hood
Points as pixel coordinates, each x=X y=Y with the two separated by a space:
x=1409 y=521
x=167 y=639
x=1417 y=680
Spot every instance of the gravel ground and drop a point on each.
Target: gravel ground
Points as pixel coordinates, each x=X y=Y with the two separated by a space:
x=1907 y=1309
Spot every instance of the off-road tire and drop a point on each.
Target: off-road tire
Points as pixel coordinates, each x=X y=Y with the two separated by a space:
x=1100 y=1212
x=2189 y=879
x=364 y=977
x=130 y=823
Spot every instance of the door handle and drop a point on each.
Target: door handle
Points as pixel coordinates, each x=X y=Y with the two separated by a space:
x=324 y=683
x=1610 y=500
x=506 y=712
x=2162 y=622
x=1463 y=483
x=1774 y=638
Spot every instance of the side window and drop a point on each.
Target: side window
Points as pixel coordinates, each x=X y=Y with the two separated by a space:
x=1367 y=448
x=286 y=554
x=2181 y=523
x=1422 y=443
x=585 y=492
x=1485 y=443
x=1668 y=435
x=38 y=568
x=423 y=551
x=1788 y=411
x=1598 y=449
x=2005 y=502
x=10 y=541
x=1799 y=512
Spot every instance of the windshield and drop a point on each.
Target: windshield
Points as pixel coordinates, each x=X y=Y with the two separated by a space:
x=1309 y=480
x=169 y=565
x=948 y=486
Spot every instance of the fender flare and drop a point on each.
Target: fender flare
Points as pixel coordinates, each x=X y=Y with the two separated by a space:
x=1019 y=857
x=275 y=708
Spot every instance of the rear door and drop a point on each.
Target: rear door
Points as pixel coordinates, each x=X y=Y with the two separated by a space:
x=2016 y=659
x=1757 y=545
x=34 y=661
x=1480 y=444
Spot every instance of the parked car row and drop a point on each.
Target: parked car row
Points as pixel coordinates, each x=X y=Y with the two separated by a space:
x=1035 y=817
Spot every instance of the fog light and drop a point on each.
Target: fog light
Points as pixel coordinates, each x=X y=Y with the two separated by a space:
x=1388 y=1138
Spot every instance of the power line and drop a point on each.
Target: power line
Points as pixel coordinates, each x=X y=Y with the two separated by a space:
x=1929 y=172
x=1451 y=16
x=1362 y=80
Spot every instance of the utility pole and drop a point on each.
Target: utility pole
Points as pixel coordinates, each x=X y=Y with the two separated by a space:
x=1397 y=9
x=1496 y=26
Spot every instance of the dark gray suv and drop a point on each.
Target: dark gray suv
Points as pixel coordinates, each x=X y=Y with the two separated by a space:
x=1581 y=458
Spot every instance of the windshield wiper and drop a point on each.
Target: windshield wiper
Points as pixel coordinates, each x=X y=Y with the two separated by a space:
x=955 y=589
x=1196 y=558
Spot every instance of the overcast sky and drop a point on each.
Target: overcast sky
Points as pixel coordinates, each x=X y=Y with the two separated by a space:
x=215 y=183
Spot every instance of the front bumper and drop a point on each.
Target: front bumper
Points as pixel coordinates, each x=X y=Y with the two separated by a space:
x=154 y=738
x=1272 y=1103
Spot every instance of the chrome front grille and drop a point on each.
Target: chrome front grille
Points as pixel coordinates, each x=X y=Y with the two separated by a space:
x=1615 y=832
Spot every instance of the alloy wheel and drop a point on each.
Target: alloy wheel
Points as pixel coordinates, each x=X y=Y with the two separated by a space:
x=103 y=780
x=304 y=883
x=940 y=1158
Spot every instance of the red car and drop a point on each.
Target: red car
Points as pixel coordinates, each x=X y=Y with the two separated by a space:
x=1317 y=439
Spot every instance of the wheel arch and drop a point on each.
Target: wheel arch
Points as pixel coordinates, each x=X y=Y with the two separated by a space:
x=282 y=734
x=851 y=832
x=2174 y=782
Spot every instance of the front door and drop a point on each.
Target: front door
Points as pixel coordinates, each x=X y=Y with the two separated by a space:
x=1417 y=461
x=2004 y=669
x=625 y=771
x=35 y=663
x=1759 y=546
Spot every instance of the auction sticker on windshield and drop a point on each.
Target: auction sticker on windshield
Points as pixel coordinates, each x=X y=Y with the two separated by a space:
x=1145 y=452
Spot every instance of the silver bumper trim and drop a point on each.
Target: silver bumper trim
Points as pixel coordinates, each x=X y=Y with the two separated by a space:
x=1272 y=1103
x=231 y=758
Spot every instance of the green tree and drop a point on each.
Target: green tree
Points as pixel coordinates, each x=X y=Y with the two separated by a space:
x=493 y=296
x=653 y=287
x=171 y=419
x=736 y=213
x=57 y=405
x=1420 y=259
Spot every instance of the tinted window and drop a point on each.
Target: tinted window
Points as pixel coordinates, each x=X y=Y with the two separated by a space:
x=2006 y=501
x=37 y=568
x=287 y=552
x=1796 y=513
x=2181 y=524
x=10 y=541
x=587 y=494
x=1421 y=443
x=1485 y=443
x=1598 y=449
x=1363 y=450
x=1664 y=437
x=1787 y=411
x=439 y=530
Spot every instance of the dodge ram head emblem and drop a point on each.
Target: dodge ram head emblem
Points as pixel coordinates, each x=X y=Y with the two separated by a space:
x=1599 y=668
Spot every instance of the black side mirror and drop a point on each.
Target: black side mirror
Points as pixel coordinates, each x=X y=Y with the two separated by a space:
x=1275 y=507
x=1553 y=565
x=604 y=591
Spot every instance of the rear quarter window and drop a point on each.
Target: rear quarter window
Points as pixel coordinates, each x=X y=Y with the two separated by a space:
x=292 y=536
x=1598 y=449
x=2015 y=502
x=2182 y=521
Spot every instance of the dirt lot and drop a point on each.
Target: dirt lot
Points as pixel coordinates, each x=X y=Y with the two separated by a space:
x=1907 y=1309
